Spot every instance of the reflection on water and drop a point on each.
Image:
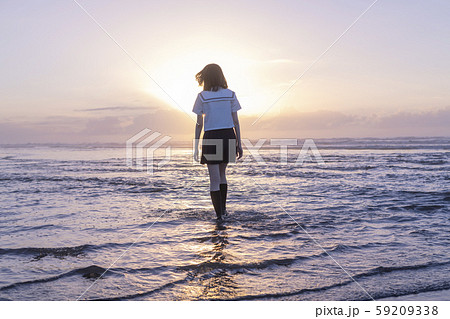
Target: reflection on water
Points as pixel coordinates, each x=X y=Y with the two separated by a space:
x=209 y=280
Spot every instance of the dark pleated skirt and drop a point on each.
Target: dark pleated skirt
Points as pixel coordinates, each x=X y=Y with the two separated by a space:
x=218 y=146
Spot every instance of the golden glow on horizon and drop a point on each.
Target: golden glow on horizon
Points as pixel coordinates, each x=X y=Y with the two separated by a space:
x=249 y=78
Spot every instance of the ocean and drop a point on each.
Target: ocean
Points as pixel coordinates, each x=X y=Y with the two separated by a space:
x=371 y=222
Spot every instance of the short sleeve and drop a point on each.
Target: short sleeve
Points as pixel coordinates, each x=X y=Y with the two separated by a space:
x=198 y=106
x=235 y=106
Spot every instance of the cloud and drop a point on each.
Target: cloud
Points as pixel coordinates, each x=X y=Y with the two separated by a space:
x=115 y=108
x=308 y=120
x=117 y=128
x=92 y=129
x=327 y=123
x=424 y=119
x=280 y=61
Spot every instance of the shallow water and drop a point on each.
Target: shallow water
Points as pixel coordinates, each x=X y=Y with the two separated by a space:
x=372 y=222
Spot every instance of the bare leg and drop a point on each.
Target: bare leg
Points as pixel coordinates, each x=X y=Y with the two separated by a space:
x=223 y=176
x=214 y=177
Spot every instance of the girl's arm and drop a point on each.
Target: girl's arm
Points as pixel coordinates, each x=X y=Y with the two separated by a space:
x=237 y=129
x=198 y=131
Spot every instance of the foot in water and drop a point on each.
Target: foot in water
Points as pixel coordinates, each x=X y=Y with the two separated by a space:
x=217 y=203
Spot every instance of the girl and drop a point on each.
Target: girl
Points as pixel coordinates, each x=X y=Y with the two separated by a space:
x=222 y=137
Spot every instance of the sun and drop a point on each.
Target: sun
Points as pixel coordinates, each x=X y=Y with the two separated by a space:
x=254 y=78
x=177 y=86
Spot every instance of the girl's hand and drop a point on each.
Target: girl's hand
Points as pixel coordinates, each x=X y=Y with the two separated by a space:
x=239 y=151
x=196 y=155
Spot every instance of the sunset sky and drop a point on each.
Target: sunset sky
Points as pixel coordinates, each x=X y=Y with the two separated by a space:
x=65 y=80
